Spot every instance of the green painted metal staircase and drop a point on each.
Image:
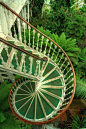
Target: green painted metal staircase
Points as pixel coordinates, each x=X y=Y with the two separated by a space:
x=46 y=88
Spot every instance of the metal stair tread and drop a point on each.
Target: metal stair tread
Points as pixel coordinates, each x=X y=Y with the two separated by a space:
x=21 y=100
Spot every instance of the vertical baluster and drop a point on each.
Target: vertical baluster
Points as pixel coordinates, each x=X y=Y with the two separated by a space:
x=49 y=49
x=43 y=65
x=53 y=51
x=61 y=58
x=22 y=13
x=22 y=62
x=41 y=71
x=7 y=18
x=17 y=60
x=29 y=36
x=24 y=67
x=46 y=46
x=24 y=25
x=41 y=44
x=28 y=11
x=33 y=38
x=69 y=77
x=25 y=12
x=68 y=71
x=31 y=62
x=66 y=67
x=35 y=74
x=1 y=49
x=57 y=55
x=6 y=48
x=69 y=82
x=19 y=29
x=37 y=41
x=63 y=62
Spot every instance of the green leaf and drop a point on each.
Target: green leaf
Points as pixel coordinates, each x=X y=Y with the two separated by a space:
x=4 y=91
x=2 y=117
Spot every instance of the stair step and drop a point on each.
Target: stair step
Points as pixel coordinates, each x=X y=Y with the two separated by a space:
x=33 y=105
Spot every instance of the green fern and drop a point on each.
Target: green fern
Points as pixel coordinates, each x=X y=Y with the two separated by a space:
x=80 y=89
x=4 y=105
x=9 y=123
x=77 y=123
x=3 y=84
x=68 y=45
x=2 y=117
x=4 y=91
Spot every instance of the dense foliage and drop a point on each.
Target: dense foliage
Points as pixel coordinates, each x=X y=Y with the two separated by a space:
x=80 y=89
x=68 y=45
x=7 y=119
x=36 y=7
x=76 y=28
x=72 y=22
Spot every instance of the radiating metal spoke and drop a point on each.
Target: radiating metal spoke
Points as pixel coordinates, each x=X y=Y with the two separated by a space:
x=51 y=94
x=47 y=101
x=24 y=90
x=39 y=67
x=24 y=103
x=22 y=94
x=49 y=73
x=50 y=80
x=35 y=105
x=22 y=99
x=28 y=88
x=52 y=87
x=42 y=105
x=29 y=107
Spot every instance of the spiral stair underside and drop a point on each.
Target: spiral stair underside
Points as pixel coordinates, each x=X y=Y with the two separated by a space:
x=46 y=87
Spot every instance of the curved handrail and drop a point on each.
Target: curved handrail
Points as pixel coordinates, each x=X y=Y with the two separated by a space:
x=22 y=50
x=61 y=50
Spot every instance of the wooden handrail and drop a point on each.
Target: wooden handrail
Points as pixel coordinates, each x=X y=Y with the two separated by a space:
x=22 y=50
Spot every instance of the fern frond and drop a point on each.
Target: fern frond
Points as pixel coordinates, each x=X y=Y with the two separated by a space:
x=4 y=91
x=80 y=89
x=3 y=84
x=2 y=117
x=4 y=104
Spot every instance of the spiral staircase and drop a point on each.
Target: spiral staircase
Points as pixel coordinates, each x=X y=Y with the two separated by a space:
x=47 y=84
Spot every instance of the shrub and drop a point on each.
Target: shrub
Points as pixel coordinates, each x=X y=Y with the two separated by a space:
x=68 y=45
x=76 y=27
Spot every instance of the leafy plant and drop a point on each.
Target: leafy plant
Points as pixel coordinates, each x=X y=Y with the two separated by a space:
x=56 y=21
x=83 y=9
x=76 y=26
x=7 y=119
x=77 y=123
x=80 y=89
x=81 y=66
x=68 y=45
